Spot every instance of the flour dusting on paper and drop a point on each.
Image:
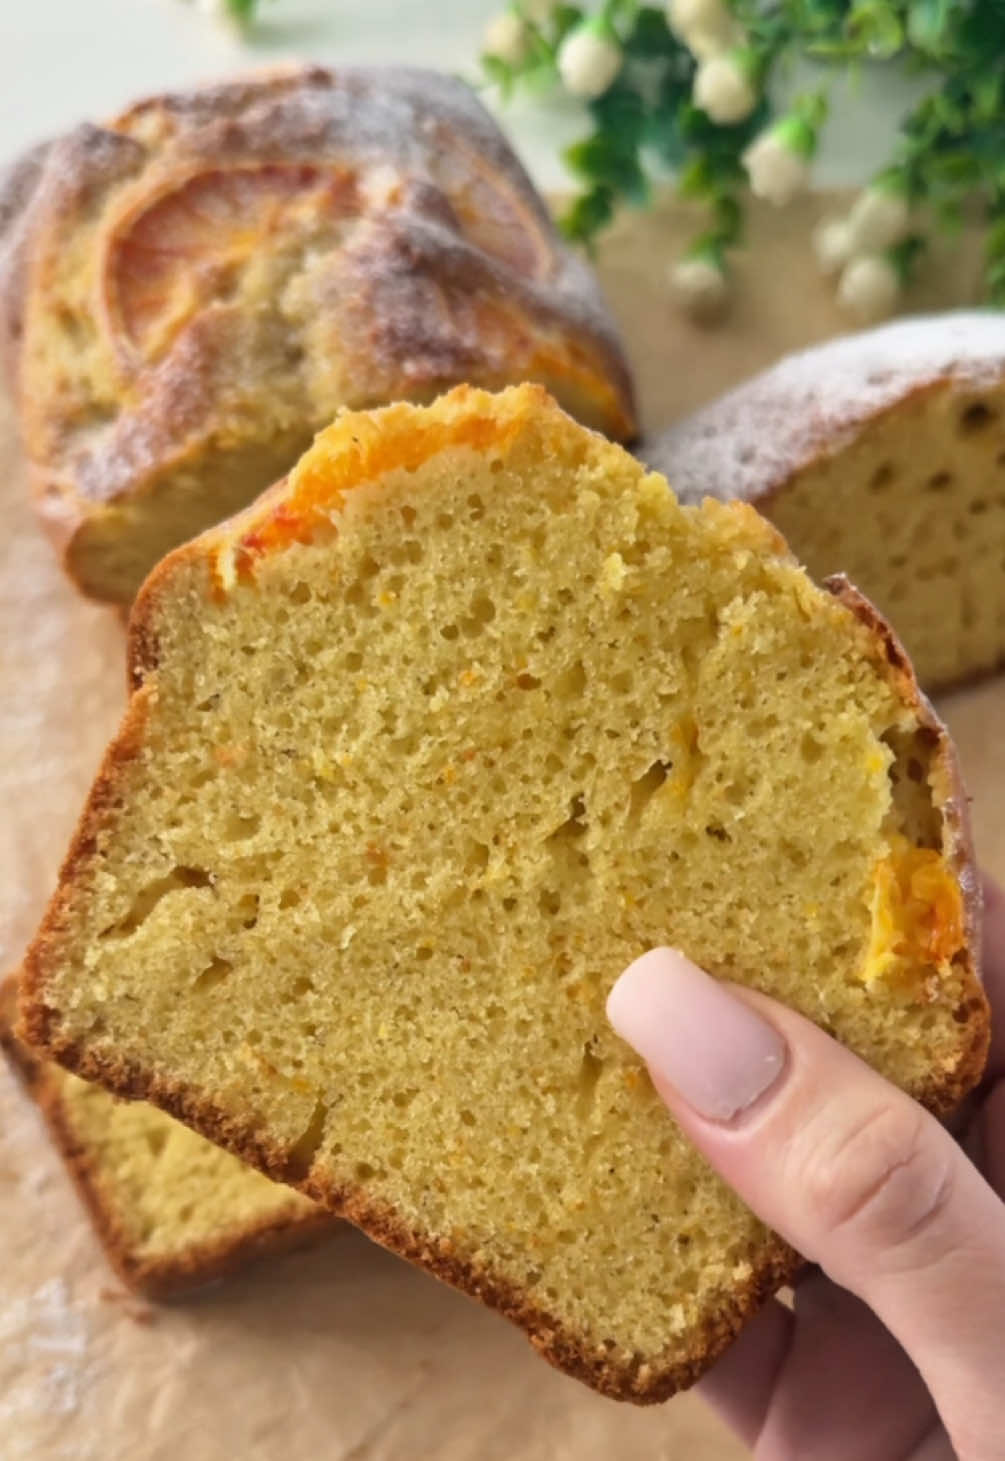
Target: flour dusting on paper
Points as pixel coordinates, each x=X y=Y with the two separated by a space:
x=43 y=1362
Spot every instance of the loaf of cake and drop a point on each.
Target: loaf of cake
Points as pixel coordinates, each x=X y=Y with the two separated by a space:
x=880 y=455
x=191 y=291
x=172 y=1210
x=422 y=749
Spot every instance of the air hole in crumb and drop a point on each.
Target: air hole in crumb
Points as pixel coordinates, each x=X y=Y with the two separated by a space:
x=449 y=631
x=238 y=828
x=423 y=953
x=590 y=1068
x=509 y=904
x=573 y=680
x=477 y=507
x=147 y=898
x=214 y=973
x=881 y=477
x=467 y=1117
x=549 y=902
x=300 y=593
x=300 y=1157
x=975 y=418
x=527 y=682
x=810 y=749
x=156 y=1141
x=289 y=898
x=408 y=515
x=247 y=909
x=645 y=788
x=939 y=482
x=364 y=1171
x=718 y=831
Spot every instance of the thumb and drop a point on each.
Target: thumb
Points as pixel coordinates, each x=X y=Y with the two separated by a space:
x=852 y=1172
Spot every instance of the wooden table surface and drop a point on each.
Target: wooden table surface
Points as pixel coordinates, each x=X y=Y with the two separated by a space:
x=344 y=1352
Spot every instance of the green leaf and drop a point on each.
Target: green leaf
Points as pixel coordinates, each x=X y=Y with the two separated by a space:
x=621 y=115
x=928 y=26
x=904 y=256
x=563 y=19
x=500 y=73
x=876 y=25
x=662 y=134
x=242 y=10
x=600 y=159
x=650 y=37
x=588 y=214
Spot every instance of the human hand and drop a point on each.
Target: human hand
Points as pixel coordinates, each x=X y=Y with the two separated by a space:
x=896 y=1350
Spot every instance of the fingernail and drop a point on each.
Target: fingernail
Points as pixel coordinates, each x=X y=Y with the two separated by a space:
x=695 y=1034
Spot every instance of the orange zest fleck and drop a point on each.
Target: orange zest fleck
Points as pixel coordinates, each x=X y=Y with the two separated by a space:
x=918 y=916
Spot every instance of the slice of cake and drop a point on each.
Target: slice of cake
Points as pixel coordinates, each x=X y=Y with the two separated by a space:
x=422 y=750
x=172 y=1210
x=191 y=290
x=881 y=456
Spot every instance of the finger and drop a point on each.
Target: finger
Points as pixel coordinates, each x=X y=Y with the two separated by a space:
x=992 y=1137
x=740 y=1384
x=993 y=972
x=827 y=1381
x=851 y=1171
x=935 y=1447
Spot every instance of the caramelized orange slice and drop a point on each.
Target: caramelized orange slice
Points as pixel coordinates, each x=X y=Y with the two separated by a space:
x=189 y=246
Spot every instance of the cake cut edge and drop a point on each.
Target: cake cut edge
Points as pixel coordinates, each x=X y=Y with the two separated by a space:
x=195 y=1264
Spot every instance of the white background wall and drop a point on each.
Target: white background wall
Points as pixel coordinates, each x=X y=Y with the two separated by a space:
x=64 y=60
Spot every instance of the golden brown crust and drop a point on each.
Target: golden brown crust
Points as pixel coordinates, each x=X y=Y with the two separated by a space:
x=749 y=444
x=772 y=1266
x=191 y=1266
x=400 y=248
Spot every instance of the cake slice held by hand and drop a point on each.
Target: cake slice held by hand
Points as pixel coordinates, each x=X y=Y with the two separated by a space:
x=423 y=749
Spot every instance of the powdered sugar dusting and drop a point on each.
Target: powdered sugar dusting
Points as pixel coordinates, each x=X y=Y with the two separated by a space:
x=428 y=220
x=753 y=438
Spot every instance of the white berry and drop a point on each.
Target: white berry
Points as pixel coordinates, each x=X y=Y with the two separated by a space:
x=506 y=38
x=723 y=91
x=775 y=171
x=878 y=218
x=539 y=11
x=705 y=26
x=701 y=286
x=588 y=62
x=869 y=288
x=833 y=244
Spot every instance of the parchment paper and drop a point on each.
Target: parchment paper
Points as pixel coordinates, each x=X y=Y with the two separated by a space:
x=343 y=1353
